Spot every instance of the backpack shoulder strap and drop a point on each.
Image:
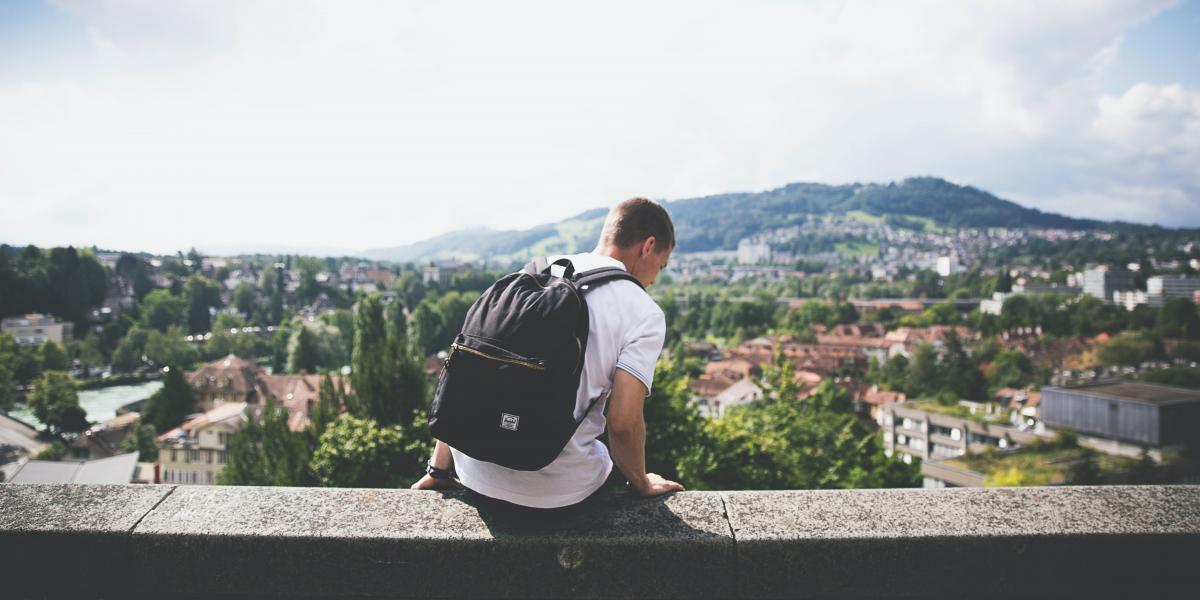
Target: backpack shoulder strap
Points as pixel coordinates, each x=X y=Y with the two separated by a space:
x=596 y=277
x=536 y=266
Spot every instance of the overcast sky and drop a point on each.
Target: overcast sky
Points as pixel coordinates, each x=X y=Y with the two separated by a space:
x=160 y=125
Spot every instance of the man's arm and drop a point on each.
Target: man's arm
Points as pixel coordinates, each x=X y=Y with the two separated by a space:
x=627 y=435
x=441 y=459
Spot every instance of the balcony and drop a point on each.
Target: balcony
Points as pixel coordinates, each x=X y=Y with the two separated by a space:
x=92 y=541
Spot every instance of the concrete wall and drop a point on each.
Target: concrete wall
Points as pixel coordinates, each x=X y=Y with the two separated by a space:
x=142 y=541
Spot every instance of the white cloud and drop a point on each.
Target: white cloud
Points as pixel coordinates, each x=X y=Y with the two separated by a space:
x=363 y=124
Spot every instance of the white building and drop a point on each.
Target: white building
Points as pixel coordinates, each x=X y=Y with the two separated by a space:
x=1161 y=288
x=752 y=252
x=948 y=265
x=1101 y=282
x=35 y=329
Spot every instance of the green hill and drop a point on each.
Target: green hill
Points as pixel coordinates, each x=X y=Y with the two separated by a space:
x=718 y=222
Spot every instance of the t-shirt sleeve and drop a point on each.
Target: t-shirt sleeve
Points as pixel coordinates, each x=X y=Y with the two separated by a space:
x=643 y=344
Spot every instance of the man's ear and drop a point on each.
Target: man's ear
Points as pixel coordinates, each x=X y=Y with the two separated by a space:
x=648 y=246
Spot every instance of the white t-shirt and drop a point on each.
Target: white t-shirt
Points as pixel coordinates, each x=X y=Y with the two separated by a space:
x=626 y=330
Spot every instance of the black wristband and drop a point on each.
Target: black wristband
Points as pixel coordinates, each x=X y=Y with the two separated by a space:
x=437 y=473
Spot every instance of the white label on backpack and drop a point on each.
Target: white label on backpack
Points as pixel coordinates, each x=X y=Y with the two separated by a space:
x=508 y=421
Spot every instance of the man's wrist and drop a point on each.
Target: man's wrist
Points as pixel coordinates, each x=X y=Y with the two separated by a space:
x=640 y=484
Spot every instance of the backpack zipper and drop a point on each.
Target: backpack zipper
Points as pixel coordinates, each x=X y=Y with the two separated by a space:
x=522 y=363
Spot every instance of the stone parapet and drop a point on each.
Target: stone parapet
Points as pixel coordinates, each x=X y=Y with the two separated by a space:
x=142 y=541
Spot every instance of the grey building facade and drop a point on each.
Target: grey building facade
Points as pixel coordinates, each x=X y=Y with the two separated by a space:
x=1129 y=414
x=1101 y=282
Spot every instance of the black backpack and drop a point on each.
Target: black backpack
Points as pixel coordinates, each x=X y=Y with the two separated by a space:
x=507 y=390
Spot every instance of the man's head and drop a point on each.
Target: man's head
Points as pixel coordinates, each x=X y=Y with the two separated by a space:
x=639 y=233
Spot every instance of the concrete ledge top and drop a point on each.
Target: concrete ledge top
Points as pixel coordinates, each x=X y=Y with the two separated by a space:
x=397 y=514
x=76 y=508
x=964 y=512
x=268 y=542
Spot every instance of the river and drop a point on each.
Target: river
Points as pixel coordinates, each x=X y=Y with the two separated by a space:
x=100 y=405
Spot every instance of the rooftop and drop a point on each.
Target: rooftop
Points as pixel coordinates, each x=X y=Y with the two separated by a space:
x=1151 y=393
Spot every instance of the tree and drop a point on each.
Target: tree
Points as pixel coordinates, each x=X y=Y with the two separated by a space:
x=8 y=359
x=202 y=294
x=54 y=357
x=170 y=348
x=141 y=440
x=781 y=443
x=303 y=356
x=960 y=375
x=1127 y=349
x=267 y=452
x=160 y=310
x=673 y=425
x=245 y=299
x=1010 y=369
x=387 y=377
x=171 y=404
x=356 y=452
x=1179 y=319
x=55 y=402
x=924 y=377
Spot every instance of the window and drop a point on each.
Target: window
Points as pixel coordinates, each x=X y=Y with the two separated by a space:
x=174 y=458
x=209 y=454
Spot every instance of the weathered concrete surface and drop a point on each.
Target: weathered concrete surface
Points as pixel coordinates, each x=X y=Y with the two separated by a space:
x=134 y=541
x=58 y=540
x=313 y=542
x=1010 y=542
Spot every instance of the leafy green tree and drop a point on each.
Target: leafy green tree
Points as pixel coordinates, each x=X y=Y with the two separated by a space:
x=959 y=373
x=55 y=402
x=55 y=451
x=387 y=377
x=141 y=440
x=1127 y=349
x=90 y=354
x=245 y=299
x=202 y=294
x=8 y=359
x=267 y=451
x=924 y=376
x=304 y=356
x=1179 y=319
x=781 y=443
x=673 y=424
x=356 y=452
x=170 y=348
x=279 y=349
x=171 y=404
x=1011 y=369
x=54 y=357
x=160 y=310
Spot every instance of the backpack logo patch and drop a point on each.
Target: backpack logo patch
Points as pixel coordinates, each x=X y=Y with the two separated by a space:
x=508 y=421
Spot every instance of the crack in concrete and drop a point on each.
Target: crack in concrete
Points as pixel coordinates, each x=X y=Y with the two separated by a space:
x=737 y=593
x=160 y=501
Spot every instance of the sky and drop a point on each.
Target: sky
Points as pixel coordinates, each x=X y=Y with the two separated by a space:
x=163 y=125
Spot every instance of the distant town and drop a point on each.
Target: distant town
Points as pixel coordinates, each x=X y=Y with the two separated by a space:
x=962 y=357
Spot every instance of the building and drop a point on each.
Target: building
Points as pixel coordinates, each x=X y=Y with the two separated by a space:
x=229 y=379
x=948 y=265
x=1131 y=299
x=104 y=439
x=237 y=379
x=196 y=451
x=928 y=431
x=121 y=468
x=1124 y=417
x=36 y=329
x=1161 y=288
x=1101 y=282
x=752 y=252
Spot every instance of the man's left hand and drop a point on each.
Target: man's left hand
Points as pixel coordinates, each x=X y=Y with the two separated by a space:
x=428 y=482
